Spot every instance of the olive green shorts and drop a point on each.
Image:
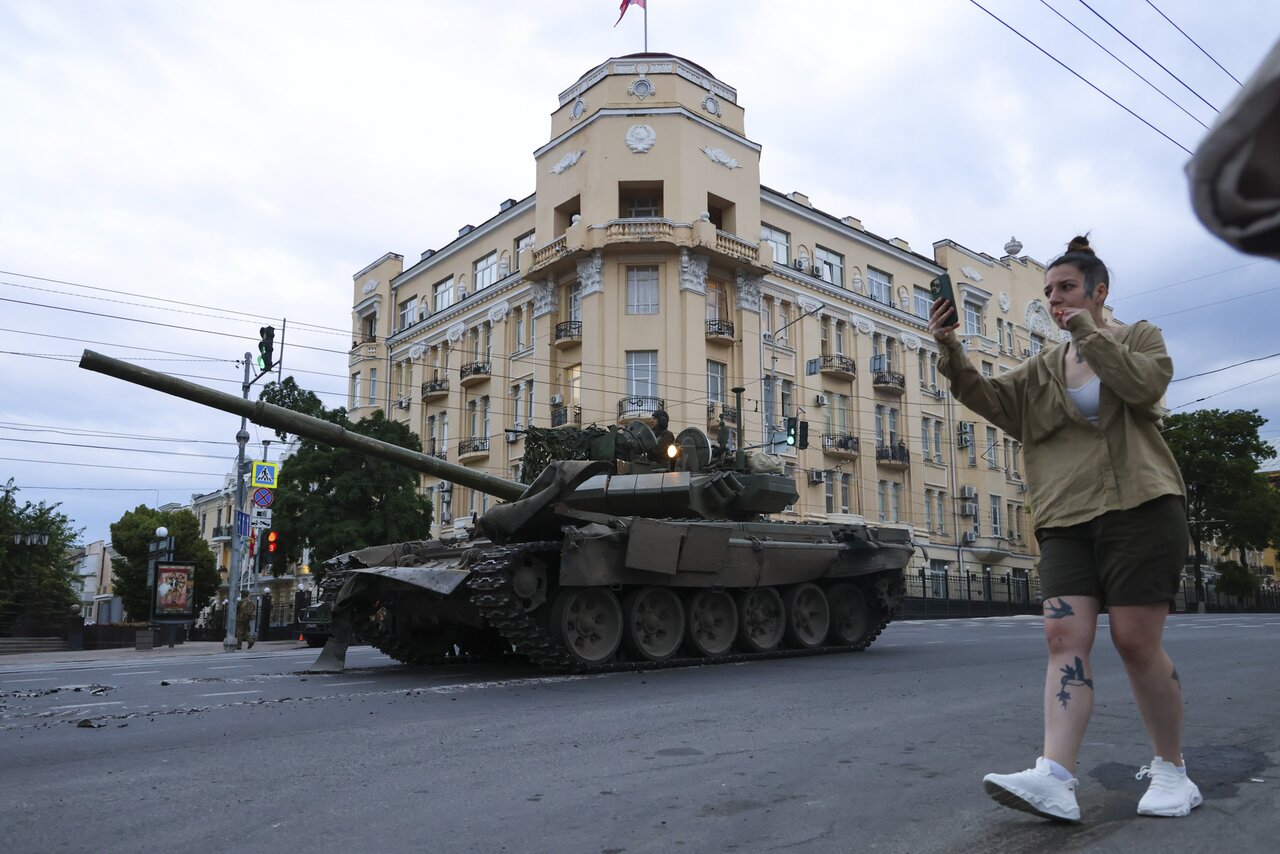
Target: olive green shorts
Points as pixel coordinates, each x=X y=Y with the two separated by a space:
x=1124 y=557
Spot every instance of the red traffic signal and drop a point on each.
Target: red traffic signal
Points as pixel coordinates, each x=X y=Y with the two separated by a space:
x=271 y=541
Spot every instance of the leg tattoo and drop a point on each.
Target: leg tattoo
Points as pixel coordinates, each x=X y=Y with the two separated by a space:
x=1059 y=610
x=1073 y=676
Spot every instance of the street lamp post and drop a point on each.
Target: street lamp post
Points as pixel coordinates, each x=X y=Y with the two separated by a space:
x=28 y=541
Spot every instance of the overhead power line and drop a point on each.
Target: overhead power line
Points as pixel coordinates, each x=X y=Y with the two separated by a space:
x=1080 y=77
x=1148 y=56
x=1194 y=42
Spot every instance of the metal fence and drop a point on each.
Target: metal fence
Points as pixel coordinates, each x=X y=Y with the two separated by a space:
x=968 y=594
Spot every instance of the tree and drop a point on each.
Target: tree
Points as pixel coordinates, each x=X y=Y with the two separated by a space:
x=36 y=581
x=1219 y=453
x=335 y=500
x=1236 y=581
x=132 y=536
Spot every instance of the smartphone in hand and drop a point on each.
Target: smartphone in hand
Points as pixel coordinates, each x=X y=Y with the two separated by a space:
x=940 y=288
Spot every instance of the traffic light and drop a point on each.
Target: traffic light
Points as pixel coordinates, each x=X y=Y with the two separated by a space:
x=803 y=438
x=792 y=431
x=269 y=550
x=266 y=347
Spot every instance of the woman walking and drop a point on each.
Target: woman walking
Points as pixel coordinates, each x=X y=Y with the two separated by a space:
x=1110 y=517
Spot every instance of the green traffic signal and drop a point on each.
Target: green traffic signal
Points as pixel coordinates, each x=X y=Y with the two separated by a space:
x=792 y=427
x=266 y=347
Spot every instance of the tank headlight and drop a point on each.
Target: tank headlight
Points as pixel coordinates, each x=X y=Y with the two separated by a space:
x=673 y=451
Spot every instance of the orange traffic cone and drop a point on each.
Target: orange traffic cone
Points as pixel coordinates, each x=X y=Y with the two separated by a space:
x=301 y=639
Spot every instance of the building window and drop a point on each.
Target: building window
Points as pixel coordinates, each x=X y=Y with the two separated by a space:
x=937 y=441
x=924 y=439
x=517 y=405
x=1037 y=343
x=517 y=327
x=928 y=510
x=717 y=301
x=839 y=330
x=942 y=517
x=640 y=201
x=990 y=454
x=715 y=381
x=1015 y=522
x=882 y=500
x=922 y=301
x=879 y=285
x=574 y=293
x=642 y=290
x=830 y=490
x=972 y=319
x=779 y=240
x=846 y=489
x=442 y=294
x=573 y=385
x=995 y=515
x=353 y=398
x=524 y=241
x=879 y=425
x=642 y=373
x=895 y=495
x=830 y=266
x=369 y=327
x=408 y=313
x=485 y=271
x=987 y=369
x=373 y=386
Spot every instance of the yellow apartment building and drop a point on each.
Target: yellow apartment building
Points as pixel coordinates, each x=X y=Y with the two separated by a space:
x=652 y=270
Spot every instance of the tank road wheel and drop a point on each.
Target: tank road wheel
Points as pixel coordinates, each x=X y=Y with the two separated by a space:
x=711 y=623
x=808 y=616
x=850 y=614
x=588 y=623
x=761 y=619
x=654 y=621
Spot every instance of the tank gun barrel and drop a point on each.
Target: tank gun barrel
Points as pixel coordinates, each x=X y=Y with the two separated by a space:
x=326 y=432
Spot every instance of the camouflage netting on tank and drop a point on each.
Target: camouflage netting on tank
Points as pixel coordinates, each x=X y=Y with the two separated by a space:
x=543 y=446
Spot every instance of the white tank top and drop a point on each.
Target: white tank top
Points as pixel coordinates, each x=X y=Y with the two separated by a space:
x=1086 y=399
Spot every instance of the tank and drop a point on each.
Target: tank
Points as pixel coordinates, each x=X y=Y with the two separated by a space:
x=659 y=551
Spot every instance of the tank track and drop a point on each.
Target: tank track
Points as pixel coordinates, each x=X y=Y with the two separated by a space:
x=491 y=592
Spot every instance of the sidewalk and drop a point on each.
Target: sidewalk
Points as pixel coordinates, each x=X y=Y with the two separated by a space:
x=131 y=654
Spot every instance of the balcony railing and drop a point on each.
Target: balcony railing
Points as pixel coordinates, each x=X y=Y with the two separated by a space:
x=894 y=455
x=474 y=445
x=720 y=329
x=840 y=444
x=550 y=252
x=562 y=416
x=437 y=451
x=891 y=381
x=221 y=531
x=715 y=411
x=731 y=244
x=568 y=332
x=838 y=366
x=435 y=388
x=630 y=408
x=475 y=372
x=639 y=230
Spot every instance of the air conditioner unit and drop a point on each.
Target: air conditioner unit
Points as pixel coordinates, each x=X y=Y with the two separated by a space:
x=557 y=399
x=817 y=476
x=798 y=263
x=969 y=508
x=965 y=428
x=968 y=492
x=820 y=400
x=512 y=437
x=402 y=402
x=970 y=536
x=817 y=270
x=1026 y=352
x=964 y=441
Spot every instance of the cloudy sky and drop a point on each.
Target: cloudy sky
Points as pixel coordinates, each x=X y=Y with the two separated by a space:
x=173 y=172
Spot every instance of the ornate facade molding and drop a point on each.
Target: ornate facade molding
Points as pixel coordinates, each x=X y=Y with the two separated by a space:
x=808 y=303
x=498 y=311
x=748 y=291
x=693 y=272
x=911 y=341
x=369 y=286
x=591 y=273
x=863 y=323
x=722 y=157
x=544 y=297
x=416 y=351
x=640 y=138
x=971 y=274
x=566 y=162
x=456 y=331
x=1004 y=302
x=1037 y=319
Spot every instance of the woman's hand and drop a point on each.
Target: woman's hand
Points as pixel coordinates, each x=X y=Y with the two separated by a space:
x=1062 y=315
x=937 y=319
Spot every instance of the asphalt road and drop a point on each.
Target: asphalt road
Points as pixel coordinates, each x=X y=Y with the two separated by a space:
x=881 y=751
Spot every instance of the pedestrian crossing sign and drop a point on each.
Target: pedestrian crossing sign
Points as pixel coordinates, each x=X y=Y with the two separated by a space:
x=264 y=474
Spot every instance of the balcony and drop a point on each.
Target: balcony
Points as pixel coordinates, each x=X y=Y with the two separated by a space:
x=546 y=254
x=221 y=532
x=720 y=332
x=435 y=389
x=989 y=549
x=839 y=367
x=842 y=445
x=437 y=451
x=716 y=411
x=639 y=408
x=566 y=416
x=889 y=381
x=475 y=372
x=568 y=334
x=474 y=448
x=893 y=456
x=736 y=247
x=364 y=347
x=640 y=230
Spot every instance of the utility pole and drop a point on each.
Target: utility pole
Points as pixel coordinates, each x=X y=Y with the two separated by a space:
x=237 y=540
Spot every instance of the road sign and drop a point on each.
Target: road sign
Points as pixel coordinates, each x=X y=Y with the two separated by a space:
x=260 y=524
x=242 y=523
x=264 y=474
x=260 y=513
x=263 y=497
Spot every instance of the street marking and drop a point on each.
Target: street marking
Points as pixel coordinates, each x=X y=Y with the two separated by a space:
x=341 y=684
x=50 y=679
x=86 y=705
x=135 y=672
x=230 y=693
x=231 y=666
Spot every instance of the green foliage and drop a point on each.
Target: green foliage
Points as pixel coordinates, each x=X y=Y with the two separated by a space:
x=37 y=581
x=336 y=500
x=132 y=535
x=1236 y=581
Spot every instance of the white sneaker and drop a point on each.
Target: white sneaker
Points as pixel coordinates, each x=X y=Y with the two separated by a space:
x=1171 y=792
x=1036 y=791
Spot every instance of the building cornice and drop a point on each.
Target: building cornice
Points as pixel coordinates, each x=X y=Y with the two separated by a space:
x=656 y=64
x=473 y=236
x=636 y=112
x=386 y=257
